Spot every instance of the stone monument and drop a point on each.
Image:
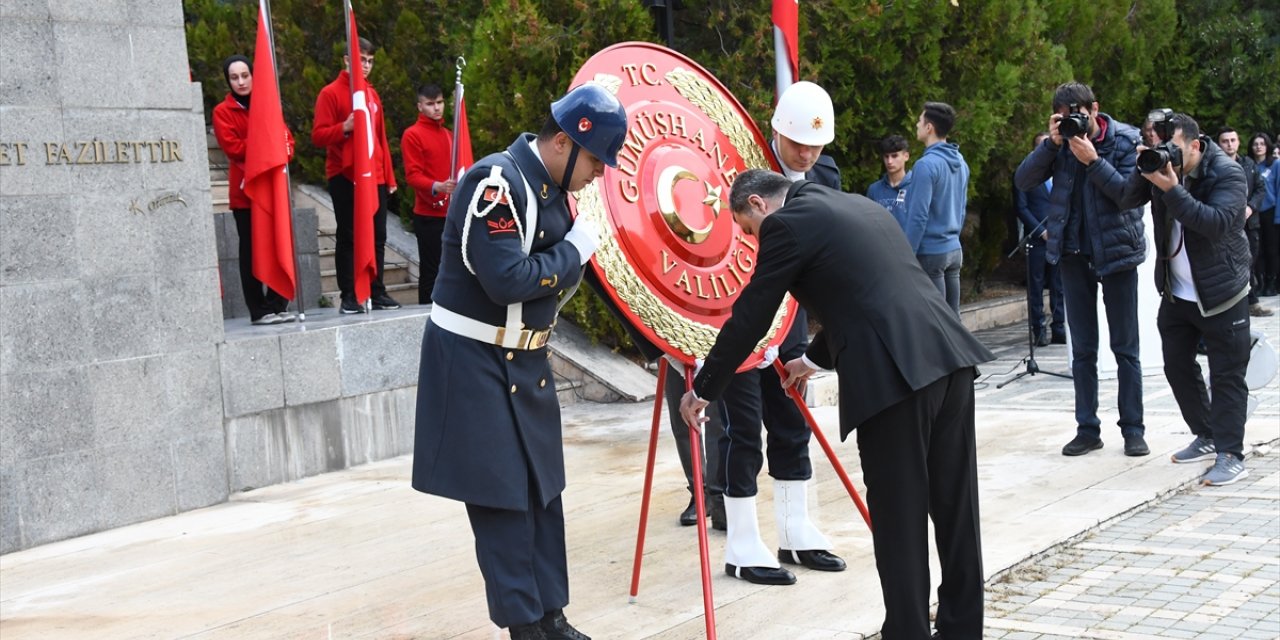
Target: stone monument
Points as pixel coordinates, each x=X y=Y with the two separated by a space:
x=110 y=320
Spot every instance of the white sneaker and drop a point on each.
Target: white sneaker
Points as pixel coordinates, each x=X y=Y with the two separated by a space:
x=270 y=318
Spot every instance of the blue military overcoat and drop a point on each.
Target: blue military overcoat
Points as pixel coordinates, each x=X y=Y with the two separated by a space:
x=488 y=420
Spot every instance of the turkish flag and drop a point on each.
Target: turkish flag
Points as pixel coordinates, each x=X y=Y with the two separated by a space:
x=366 y=186
x=463 y=159
x=268 y=148
x=786 y=44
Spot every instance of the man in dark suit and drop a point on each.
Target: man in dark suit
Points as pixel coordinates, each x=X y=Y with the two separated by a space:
x=906 y=368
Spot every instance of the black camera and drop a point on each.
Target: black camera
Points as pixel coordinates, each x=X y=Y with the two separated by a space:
x=1074 y=124
x=1153 y=159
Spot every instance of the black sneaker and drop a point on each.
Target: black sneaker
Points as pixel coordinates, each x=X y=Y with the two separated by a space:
x=350 y=306
x=1135 y=445
x=1081 y=445
x=384 y=302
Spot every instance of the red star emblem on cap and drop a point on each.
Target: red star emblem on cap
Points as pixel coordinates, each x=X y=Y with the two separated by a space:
x=817 y=123
x=584 y=125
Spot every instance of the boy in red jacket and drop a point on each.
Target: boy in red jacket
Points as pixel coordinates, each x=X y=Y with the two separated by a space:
x=331 y=129
x=426 y=148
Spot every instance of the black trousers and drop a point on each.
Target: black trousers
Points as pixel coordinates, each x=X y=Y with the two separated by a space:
x=918 y=460
x=343 y=194
x=1227 y=341
x=429 y=230
x=259 y=303
x=712 y=431
x=1268 y=265
x=522 y=558
x=752 y=398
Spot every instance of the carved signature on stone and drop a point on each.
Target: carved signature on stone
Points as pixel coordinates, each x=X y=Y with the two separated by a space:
x=158 y=203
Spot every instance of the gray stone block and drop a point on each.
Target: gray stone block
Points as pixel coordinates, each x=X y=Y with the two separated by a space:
x=44 y=413
x=251 y=376
x=135 y=482
x=129 y=399
x=77 y=10
x=61 y=497
x=95 y=61
x=277 y=446
x=182 y=234
x=34 y=126
x=185 y=133
x=111 y=240
x=155 y=12
x=309 y=267
x=122 y=317
x=187 y=312
x=312 y=371
x=161 y=71
x=200 y=472
x=51 y=333
x=305 y=233
x=28 y=9
x=11 y=490
x=381 y=354
x=193 y=387
x=50 y=220
x=28 y=67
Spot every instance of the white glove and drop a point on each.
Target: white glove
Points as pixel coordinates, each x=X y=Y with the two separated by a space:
x=770 y=355
x=585 y=237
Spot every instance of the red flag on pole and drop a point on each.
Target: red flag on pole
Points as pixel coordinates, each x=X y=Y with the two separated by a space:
x=462 y=139
x=786 y=47
x=366 y=186
x=266 y=171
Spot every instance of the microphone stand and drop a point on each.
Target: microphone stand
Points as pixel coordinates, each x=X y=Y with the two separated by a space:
x=1024 y=245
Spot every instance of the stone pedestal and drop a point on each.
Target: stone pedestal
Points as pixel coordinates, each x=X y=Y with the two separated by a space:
x=110 y=390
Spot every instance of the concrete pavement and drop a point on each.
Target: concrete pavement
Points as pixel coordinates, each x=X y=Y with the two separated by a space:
x=358 y=554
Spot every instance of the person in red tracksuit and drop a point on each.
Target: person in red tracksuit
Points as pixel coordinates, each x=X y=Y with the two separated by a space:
x=231 y=128
x=331 y=129
x=426 y=148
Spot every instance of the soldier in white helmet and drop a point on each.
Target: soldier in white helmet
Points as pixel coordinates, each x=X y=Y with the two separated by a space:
x=803 y=122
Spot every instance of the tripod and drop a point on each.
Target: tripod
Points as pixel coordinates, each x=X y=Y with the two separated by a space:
x=1024 y=245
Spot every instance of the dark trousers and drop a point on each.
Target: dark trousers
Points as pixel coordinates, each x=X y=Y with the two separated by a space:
x=1268 y=267
x=1120 y=297
x=258 y=302
x=429 y=230
x=752 y=398
x=522 y=558
x=919 y=462
x=1256 y=280
x=1038 y=273
x=1227 y=341
x=712 y=431
x=343 y=194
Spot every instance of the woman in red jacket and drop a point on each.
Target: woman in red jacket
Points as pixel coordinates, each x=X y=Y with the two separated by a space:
x=231 y=128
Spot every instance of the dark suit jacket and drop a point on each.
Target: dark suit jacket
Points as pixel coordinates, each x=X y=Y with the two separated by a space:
x=886 y=329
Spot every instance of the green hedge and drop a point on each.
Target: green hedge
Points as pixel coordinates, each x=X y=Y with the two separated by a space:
x=996 y=61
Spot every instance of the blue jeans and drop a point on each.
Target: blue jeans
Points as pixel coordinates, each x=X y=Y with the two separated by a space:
x=1037 y=273
x=1120 y=297
x=944 y=270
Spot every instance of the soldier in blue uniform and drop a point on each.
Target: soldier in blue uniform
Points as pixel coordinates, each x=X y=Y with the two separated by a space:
x=488 y=421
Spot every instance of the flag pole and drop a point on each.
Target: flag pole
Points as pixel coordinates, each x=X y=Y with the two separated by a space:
x=288 y=178
x=457 y=103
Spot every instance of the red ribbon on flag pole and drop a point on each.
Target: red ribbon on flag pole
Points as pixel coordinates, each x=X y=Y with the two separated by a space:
x=268 y=148
x=366 y=185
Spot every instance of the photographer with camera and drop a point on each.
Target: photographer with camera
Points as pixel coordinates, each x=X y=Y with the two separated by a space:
x=1094 y=240
x=1197 y=197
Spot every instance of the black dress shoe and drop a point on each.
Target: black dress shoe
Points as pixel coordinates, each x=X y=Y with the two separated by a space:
x=556 y=627
x=1081 y=445
x=689 y=516
x=718 y=520
x=1059 y=338
x=531 y=631
x=818 y=560
x=1135 y=445
x=1042 y=340
x=761 y=575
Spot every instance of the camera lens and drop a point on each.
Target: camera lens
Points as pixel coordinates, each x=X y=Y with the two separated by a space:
x=1152 y=160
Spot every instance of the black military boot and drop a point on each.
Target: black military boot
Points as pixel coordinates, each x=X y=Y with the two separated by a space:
x=556 y=627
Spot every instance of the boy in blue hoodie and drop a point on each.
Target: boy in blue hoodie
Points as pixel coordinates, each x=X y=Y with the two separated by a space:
x=936 y=201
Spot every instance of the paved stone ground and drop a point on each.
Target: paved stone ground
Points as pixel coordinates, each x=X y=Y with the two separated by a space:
x=1203 y=563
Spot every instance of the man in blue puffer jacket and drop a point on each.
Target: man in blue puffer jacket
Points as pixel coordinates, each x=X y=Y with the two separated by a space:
x=1093 y=240
x=936 y=200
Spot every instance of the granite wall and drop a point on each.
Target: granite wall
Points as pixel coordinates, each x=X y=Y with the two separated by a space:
x=110 y=320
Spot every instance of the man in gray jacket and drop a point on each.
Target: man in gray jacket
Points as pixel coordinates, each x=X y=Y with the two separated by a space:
x=1197 y=206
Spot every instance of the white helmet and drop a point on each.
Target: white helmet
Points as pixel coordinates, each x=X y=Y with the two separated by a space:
x=804 y=115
